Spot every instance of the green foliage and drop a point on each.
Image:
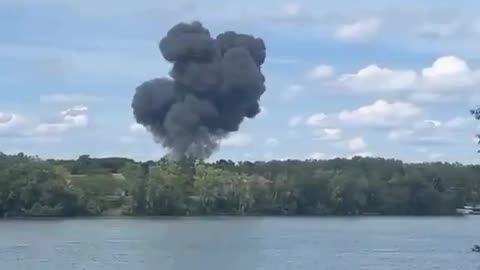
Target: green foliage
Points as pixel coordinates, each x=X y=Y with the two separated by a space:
x=166 y=189
x=30 y=186
x=33 y=187
x=137 y=188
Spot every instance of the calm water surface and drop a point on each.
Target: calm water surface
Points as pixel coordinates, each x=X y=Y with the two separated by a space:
x=241 y=243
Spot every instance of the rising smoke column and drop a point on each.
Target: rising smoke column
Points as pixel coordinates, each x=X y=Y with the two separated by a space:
x=215 y=85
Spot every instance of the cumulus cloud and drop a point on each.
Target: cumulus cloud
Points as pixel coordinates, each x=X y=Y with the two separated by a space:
x=449 y=78
x=427 y=124
x=11 y=124
x=71 y=118
x=381 y=113
x=448 y=73
x=76 y=110
x=136 y=128
x=360 y=30
x=433 y=132
x=328 y=134
x=375 y=78
x=357 y=144
x=237 y=140
x=5 y=117
x=316 y=120
x=321 y=72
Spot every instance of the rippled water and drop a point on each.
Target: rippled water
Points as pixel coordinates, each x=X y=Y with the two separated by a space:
x=241 y=243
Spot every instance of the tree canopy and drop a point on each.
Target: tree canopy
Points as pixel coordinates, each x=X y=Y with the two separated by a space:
x=30 y=186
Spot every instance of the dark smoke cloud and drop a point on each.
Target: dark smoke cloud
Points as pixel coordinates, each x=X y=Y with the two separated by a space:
x=216 y=83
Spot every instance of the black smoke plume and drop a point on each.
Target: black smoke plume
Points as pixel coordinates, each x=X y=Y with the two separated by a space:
x=215 y=84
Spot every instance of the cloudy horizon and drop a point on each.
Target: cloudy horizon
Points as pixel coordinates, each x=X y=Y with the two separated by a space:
x=380 y=79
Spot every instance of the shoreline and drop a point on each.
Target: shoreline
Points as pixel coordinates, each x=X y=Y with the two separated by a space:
x=230 y=216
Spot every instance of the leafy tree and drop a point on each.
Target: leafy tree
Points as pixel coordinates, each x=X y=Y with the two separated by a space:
x=166 y=189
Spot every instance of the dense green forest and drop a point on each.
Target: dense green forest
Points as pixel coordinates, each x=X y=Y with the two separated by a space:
x=30 y=186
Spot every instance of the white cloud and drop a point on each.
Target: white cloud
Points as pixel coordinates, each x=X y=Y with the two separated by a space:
x=328 y=134
x=427 y=125
x=360 y=30
x=321 y=72
x=317 y=119
x=375 y=78
x=80 y=120
x=382 y=113
x=5 y=117
x=459 y=122
x=75 y=117
x=237 y=139
x=318 y=155
x=357 y=144
x=432 y=132
x=11 y=124
x=271 y=142
x=447 y=73
x=448 y=79
x=74 y=111
x=293 y=91
x=295 y=120
x=136 y=128
x=67 y=99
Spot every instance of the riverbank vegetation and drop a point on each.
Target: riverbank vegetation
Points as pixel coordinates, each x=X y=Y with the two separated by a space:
x=30 y=186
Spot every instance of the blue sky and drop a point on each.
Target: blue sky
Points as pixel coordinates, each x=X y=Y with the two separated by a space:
x=372 y=78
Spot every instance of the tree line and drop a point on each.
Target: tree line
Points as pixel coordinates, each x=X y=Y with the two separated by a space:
x=30 y=186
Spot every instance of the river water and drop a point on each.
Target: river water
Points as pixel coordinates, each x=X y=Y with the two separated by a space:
x=376 y=243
